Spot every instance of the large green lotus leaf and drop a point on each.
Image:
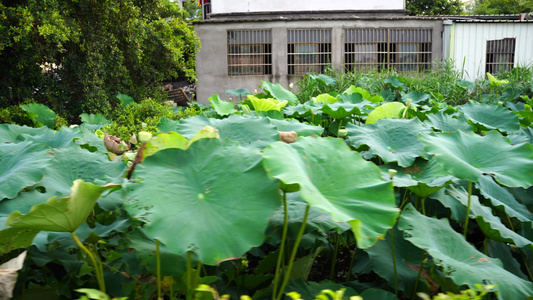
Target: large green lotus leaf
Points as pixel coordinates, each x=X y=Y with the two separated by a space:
x=458 y=210
x=391 y=139
x=325 y=98
x=222 y=107
x=317 y=219
x=423 y=177
x=301 y=129
x=254 y=132
x=338 y=181
x=94 y=121
x=342 y=109
x=489 y=224
x=41 y=114
x=447 y=123
x=175 y=140
x=57 y=214
x=503 y=252
x=502 y=199
x=415 y=97
x=279 y=92
x=167 y=125
x=324 y=79
x=460 y=261
x=388 y=110
x=14 y=133
x=469 y=156
x=301 y=110
x=61 y=138
x=408 y=259
x=90 y=141
x=396 y=83
x=524 y=135
x=21 y=165
x=357 y=90
x=213 y=199
x=491 y=116
x=266 y=104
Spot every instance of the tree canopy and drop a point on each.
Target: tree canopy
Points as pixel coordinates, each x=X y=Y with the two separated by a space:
x=76 y=56
x=496 y=7
x=435 y=7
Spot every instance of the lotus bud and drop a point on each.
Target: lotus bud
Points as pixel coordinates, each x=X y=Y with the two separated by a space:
x=392 y=173
x=145 y=137
x=246 y=109
x=255 y=91
x=342 y=132
x=291 y=86
x=408 y=102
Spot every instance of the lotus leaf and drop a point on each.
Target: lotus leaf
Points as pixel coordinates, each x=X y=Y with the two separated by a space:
x=502 y=251
x=59 y=139
x=353 y=90
x=14 y=133
x=350 y=189
x=279 y=92
x=324 y=79
x=460 y=261
x=469 y=156
x=254 y=132
x=21 y=165
x=219 y=203
x=222 y=107
x=491 y=117
x=502 y=199
x=325 y=98
x=395 y=83
x=408 y=258
x=57 y=214
x=342 y=109
x=415 y=96
x=422 y=178
x=448 y=123
x=496 y=82
x=266 y=104
x=391 y=139
x=301 y=129
x=387 y=110
x=489 y=224
x=41 y=114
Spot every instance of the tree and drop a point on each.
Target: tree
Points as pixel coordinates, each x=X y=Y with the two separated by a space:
x=435 y=7
x=75 y=56
x=496 y=7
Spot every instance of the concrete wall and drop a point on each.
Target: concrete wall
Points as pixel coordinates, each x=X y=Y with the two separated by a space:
x=233 y=6
x=211 y=61
x=469 y=44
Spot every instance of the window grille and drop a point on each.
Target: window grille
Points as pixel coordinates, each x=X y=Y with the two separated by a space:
x=500 y=55
x=401 y=49
x=309 y=50
x=249 y=52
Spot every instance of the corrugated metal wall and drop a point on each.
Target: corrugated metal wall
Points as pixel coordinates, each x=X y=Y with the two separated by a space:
x=470 y=44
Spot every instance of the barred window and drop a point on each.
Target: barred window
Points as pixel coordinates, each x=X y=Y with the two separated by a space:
x=249 y=52
x=402 y=49
x=309 y=50
x=500 y=55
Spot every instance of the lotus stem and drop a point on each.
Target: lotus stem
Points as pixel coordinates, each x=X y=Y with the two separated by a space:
x=424 y=206
x=282 y=246
x=468 y=208
x=293 y=254
x=189 y=271
x=527 y=267
x=97 y=268
x=158 y=268
x=334 y=259
x=418 y=276
x=394 y=263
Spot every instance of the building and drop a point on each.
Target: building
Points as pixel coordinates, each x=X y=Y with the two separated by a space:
x=246 y=41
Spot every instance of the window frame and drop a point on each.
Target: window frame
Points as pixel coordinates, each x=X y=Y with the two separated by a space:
x=500 y=61
x=316 y=58
x=249 y=52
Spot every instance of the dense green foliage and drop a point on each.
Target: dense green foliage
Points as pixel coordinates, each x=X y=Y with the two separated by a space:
x=435 y=7
x=76 y=56
x=496 y=7
x=386 y=193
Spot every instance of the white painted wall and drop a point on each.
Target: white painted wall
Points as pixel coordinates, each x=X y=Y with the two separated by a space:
x=469 y=44
x=234 y=6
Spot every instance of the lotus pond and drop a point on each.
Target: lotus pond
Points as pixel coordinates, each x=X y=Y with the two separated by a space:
x=363 y=197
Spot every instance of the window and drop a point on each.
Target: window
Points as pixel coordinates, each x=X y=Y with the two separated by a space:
x=402 y=49
x=309 y=50
x=500 y=55
x=249 y=52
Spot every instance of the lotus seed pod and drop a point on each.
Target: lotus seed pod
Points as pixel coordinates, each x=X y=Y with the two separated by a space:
x=145 y=137
x=392 y=173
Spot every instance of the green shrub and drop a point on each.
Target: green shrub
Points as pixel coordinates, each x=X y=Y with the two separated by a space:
x=144 y=116
x=15 y=115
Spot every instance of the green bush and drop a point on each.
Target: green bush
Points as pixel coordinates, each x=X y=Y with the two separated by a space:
x=144 y=116
x=15 y=115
